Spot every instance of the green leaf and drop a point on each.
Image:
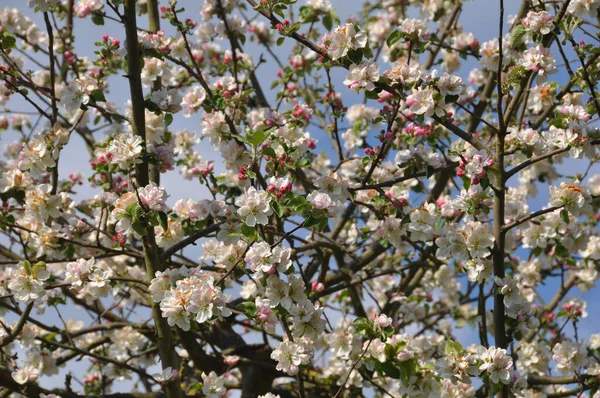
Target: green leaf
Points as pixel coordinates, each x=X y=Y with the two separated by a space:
x=328 y=22
x=451 y=99
x=270 y=152
x=7 y=41
x=220 y=103
x=51 y=336
x=98 y=19
x=560 y=251
x=408 y=369
x=355 y=56
x=280 y=40
x=195 y=388
x=312 y=221
x=496 y=388
x=362 y=324
x=152 y=107
x=249 y=232
x=564 y=215
x=256 y=137
x=279 y=12
x=373 y=94
x=303 y=163
x=40 y=265
x=390 y=370
x=537 y=252
x=390 y=351
x=168 y=119
x=27 y=266
x=249 y=308
x=164 y=220
x=322 y=224
x=54 y=301
x=134 y=210
x=393 y=38
x=453 y=348
x=466 y=183
x=70 y=251
x=278 y=209
x=484 y=182
x=139 y=228
x=365 y=161
x=296 y=201
x=98 y=95
x=517 y=35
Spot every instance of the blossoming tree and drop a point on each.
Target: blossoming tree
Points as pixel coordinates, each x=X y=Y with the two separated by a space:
x=345 y=243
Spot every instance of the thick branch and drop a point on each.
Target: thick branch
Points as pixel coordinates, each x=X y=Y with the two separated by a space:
x=188 y=241
x=18 y=328
x=164 y=336
x=531 y=216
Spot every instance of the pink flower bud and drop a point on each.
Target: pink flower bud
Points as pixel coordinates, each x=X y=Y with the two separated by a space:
x=317 y=286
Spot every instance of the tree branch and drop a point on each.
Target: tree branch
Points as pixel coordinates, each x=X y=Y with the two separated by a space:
x=164 y=340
